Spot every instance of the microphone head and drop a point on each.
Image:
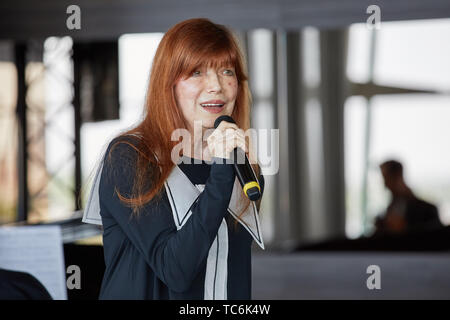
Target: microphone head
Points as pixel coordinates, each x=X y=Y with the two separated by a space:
x=223 y=118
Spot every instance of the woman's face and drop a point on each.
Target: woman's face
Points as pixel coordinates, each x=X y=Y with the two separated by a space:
x=207 y=94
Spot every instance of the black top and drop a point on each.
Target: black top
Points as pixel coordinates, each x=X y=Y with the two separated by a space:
x=16 y=285
x=198 y=173
x=416 y=214
x=147 y=257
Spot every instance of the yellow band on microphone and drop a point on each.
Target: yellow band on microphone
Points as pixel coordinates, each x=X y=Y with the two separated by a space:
x=249 y=185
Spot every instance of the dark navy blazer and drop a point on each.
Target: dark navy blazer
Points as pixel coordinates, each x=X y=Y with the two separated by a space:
x=146 y=257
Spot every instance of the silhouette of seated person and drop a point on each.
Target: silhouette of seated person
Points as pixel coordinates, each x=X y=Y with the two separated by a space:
x=16 y=285
x=405 y=213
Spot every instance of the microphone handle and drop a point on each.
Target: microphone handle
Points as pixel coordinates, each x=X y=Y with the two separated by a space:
x=246 y=175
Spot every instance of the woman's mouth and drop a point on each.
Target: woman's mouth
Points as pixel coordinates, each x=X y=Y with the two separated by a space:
x=213 y=107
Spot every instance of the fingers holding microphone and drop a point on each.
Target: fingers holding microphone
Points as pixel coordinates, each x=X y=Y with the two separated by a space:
x=224 y=139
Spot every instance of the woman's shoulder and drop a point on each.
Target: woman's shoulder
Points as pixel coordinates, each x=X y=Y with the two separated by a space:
x=123 y=147
x=122 y=141
x=126 y=153
x=125 y=161
x=120 y=156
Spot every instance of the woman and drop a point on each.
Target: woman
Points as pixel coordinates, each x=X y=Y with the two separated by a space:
x=181 y=231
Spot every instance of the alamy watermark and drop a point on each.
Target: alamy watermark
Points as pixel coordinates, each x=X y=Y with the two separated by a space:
x=374 y=280
x=374 y=20
x=263 y=146
x=74 y=280
x=73 y=21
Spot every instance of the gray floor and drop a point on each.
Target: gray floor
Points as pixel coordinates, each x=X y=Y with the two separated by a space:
x=344 y=275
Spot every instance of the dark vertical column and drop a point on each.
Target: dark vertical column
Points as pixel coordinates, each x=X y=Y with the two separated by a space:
x=21 y=111
x=296 y=140
x=283 y=227
x=77 y=116
x=290 y=122
x=278 y=226
x=334 y=88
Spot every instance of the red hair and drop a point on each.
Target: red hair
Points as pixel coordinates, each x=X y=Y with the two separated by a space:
x=185 y=47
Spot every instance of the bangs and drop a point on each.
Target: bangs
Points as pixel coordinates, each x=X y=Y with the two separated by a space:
x=215 y=59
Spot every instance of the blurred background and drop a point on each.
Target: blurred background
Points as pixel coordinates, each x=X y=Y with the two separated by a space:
x=346 y=91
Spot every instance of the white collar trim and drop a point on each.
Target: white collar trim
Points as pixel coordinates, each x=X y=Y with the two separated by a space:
x=182 y=195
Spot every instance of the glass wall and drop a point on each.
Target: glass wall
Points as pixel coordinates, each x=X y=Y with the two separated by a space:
x=409 y=127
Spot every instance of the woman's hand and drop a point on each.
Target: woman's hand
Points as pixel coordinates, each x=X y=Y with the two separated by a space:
x=224 y=139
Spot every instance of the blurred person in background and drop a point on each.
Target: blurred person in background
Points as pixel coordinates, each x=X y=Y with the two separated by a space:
x=405 y=212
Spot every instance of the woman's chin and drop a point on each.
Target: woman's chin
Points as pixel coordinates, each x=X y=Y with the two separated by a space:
x=208 y=121
x=208 y=118
x=208 y=124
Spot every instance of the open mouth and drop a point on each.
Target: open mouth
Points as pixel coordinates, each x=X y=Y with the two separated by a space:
x=213 y=107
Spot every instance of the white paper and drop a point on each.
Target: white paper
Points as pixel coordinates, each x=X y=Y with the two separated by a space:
x=37 y=250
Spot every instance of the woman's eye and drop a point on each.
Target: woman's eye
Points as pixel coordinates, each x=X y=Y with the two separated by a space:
x=196 y=73
x=228 y=72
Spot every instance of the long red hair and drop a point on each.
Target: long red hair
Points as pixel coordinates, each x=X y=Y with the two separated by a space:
x=188 y=45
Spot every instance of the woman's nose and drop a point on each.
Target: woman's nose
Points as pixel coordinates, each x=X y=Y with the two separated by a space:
x=213 y=82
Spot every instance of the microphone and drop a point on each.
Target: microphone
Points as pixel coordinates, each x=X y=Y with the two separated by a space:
x=244 y=171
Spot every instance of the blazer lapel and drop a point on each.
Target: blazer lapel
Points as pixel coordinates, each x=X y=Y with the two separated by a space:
x=183 y=194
